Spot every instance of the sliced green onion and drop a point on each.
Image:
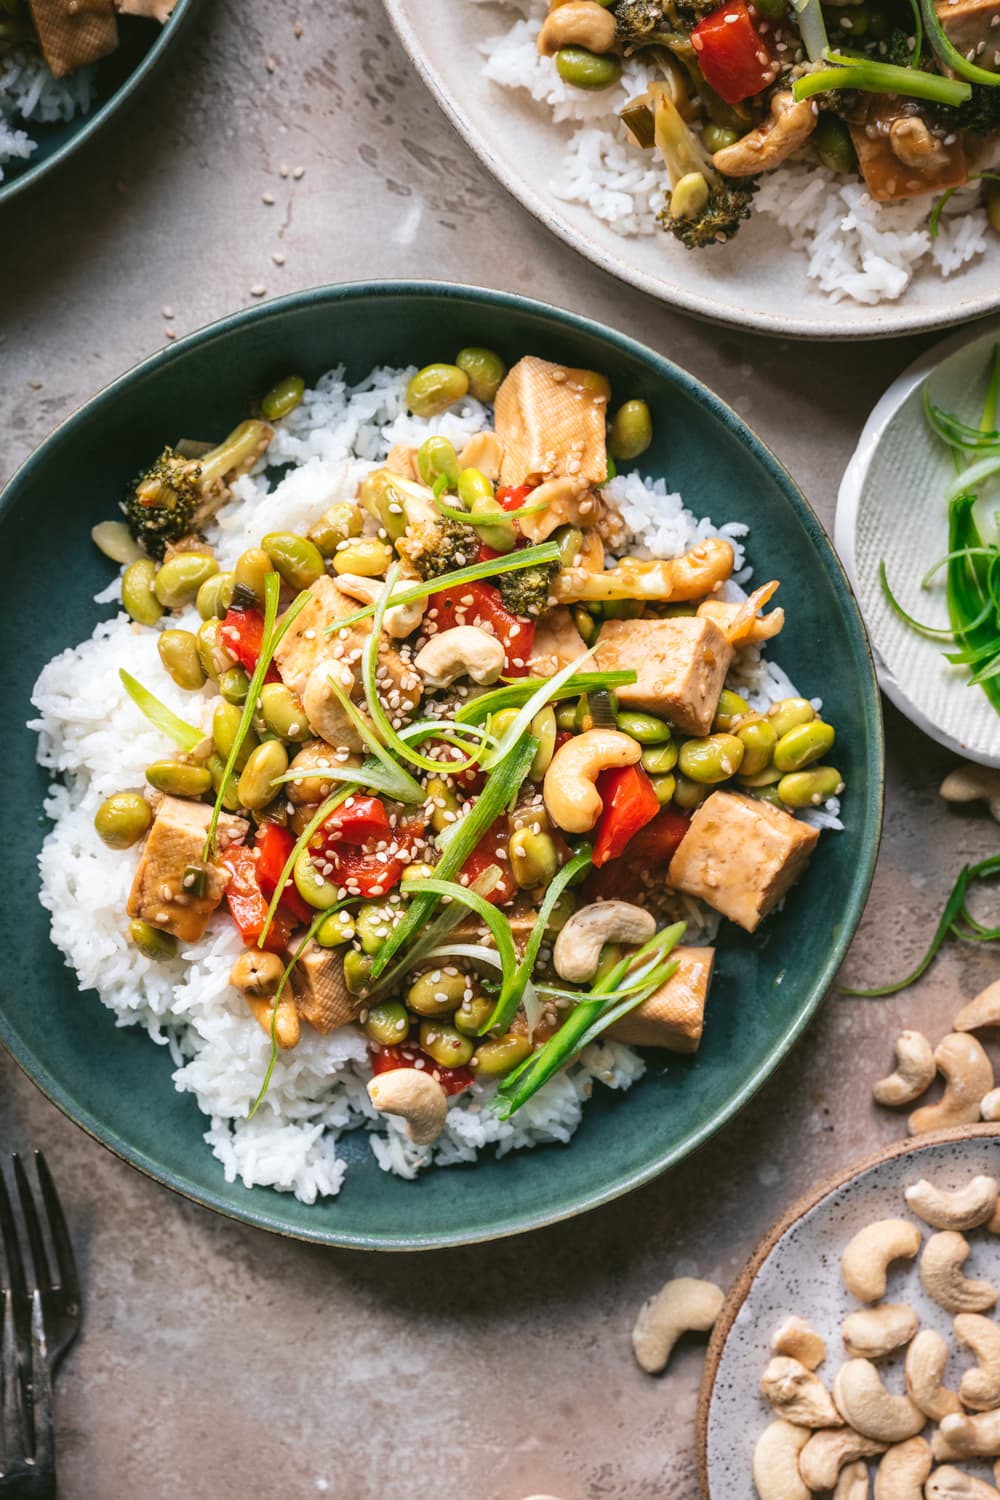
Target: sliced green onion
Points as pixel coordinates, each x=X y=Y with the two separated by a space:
x=498 y=924
x=918 y=34
x=428 y=944
x=934 y=222
x=972 y=477
x=516 y=693
x=908 y=619
x=302 y=842
x=949 y=54
x=812 y=28
x=183 y=734
x=410 y=788
x=608 y=1017
x=881 y=78
x=520 y=725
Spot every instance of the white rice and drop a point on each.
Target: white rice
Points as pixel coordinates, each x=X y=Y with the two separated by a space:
x=96 y=741
x=852 y=247
x=29 y=93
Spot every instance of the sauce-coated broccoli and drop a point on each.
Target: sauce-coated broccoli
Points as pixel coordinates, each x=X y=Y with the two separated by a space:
x=170 y=498
x=526 y=592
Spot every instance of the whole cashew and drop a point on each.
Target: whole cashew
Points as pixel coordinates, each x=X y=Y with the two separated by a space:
x=941 y=1275
x=483 y=451
x=980 y=1388
x=926 y=1361
x=827 y=1451
x=866 y=1260
x=416 y=1097
x=571 y=798
x=776 y=1462
x=967 y=1208
x=902 y=1470
x=257 y=975
x=400 y=619
x=684 y=1305
x=462 y=651
x=948 y=1483
x=878 y=1331
x=852 y=1482
x=973 y=784
x=989 y=1105
x=983 y=1011
x=968 y=1075
x=870 y=1409
x=769 y=144
x=798 y=1395
x=970 y=1437
x=577 y=951
x=795 y=1338
x=914 y=1072
x=579 y=23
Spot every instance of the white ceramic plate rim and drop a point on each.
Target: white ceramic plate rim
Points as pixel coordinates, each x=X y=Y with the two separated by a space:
x=849 y=500
x=888 y=319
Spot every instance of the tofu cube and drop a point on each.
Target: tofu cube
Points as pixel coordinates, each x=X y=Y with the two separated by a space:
x=680 y=666
x=322 y=996
x=674 y=1016
x=71 y=36
x=972 y=26
x=175 y=844
x=551 y=421
x=887 y=178
x=557 y=643
x=740 y=856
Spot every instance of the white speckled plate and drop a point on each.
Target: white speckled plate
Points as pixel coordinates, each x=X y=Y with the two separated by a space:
x=890 y=507
x=796 y=1269
x=754 y=282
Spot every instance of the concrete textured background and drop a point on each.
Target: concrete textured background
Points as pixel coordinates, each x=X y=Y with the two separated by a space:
x=216 y=1361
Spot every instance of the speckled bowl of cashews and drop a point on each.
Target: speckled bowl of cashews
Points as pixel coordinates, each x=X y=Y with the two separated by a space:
x=858 y=1353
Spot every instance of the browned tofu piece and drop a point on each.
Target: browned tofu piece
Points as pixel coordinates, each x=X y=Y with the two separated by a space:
x=557 y=643
x=175 y=844
x=551 y=421
x=888 y=176
x=740 y=856
x=973 y=26
x=680 y=666
x=152 y=10
x=320 y=992
x=74 y=32
x=674 y=1016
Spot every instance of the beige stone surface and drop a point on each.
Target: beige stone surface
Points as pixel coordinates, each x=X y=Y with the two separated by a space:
x=219 y=1363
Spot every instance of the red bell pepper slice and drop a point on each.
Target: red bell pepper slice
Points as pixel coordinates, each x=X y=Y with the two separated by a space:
x=247 y=901
x=513 y=496
x=492 y=850
x=360 y=820
x=656 y=844
x=272 y=846
x=242 y=633
x=364 y=874
x=409 y=1055
x=481 y=604
x=630 y=802
x=733 y=55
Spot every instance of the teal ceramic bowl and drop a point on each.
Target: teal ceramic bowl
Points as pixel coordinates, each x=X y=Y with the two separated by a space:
x=142 y=45
x=114 y=1082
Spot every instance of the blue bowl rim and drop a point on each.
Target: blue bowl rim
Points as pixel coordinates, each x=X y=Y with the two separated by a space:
x=673 y=374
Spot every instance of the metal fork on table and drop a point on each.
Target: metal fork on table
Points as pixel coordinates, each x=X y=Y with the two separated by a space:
x=39 y=1319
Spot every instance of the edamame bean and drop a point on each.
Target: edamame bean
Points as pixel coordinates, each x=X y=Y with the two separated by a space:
x=718 y=137
x=234 y=684
x=434 y=388
x=543 y=729
x=438 y=992
x=114 y=539
x=587 y=70
x=215 y=596
x=137 y=592
x=631 y=430
x=230 y=797
x=417 y=871
x=152 y=941
x=585 y=624
x=622 y=609
x=759 y=739
x=533 y=858
x=283 y=398
x=834 y=146
x=437 y=459
x=283 y=713
x=569 y=540
x=473 y=485
x=500 y=1054
x=688 y=794
x=854 y=19
x=299 y=561
x=445 y=1044
x=768 y=777
x=485 y=370
x=387 y=1023
x=658 y=760
x=123 y=819
x=565 y=717
x=645 y=728
x=472 y=1015
x=256 y=785
x=212 y=653
x=768 y=793
x=178 y=779
x=178 y=580
x=712 y=759
x=810 y=788
x=731 y=709
x=357 y=971
x=178 y=651
x=372 y=925
x=788 y=712
x=772 y=10
x=564 y=908
x=226 y=722
x=252 y=568
x=368 y=557
x=443 y=803
x=311 y=884
x=336 y=525
x=501 y=535
x=802 y=745
x=336 y=929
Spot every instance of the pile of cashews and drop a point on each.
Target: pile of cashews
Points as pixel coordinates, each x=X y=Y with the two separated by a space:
x=822 y=1439
x=960 y=1058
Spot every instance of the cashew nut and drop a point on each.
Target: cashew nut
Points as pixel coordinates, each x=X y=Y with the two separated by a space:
x=680 y=1306
x=903 y=1469
x=989 y=1105
x=970 y=783
x=852 y=1482
x=577 y=951
x=967 y=1208
x=483 y=451
x=827 y=1451
x=795 y=1338
x=916 y=146
x=914 y=1071
x=980 y=1388
x=961 y=1436
x=983 y=1011
x=926 y=1361
x=968 y=1075
x=865 y=1262
x=776 y=1462
x=257 y=975
x=400 y=619
x=878 y=1331
x=948 y=1483
x=416 y=1097
x=571 y=798
x=941 y=1274
x=870 y=1409
x=462 y=651
x=578 y=23
x=769 y=144
x=798 y=1395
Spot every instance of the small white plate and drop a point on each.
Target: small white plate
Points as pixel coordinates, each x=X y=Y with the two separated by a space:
x=796 y=1269
x=891 y=507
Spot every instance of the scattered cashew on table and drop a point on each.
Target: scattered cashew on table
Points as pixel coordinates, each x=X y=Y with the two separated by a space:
x=969 y=1093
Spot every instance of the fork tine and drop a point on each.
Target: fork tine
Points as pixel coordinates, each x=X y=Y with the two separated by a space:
x=11 y=1247
x=69 y=1280
x=41 y=1389
x=31 y=1224
x=12 y=1437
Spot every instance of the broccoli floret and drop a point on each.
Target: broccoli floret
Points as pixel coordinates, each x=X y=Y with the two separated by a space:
x=980 y=114
x=526 y=592
x=704 y=207
x=730 y=201
x=435 y=545
x=175 y=494
x=651 y=23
